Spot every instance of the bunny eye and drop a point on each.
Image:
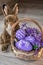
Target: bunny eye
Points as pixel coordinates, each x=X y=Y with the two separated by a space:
x=4 y=6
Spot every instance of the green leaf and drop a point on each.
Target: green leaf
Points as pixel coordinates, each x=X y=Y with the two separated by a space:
x=35 y=46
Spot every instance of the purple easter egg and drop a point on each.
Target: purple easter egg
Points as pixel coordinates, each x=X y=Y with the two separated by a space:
x=34 y=32
x=20 y=34
x=23 y=45
x=31 y=39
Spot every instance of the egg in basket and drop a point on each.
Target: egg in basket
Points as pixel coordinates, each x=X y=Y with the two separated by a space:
x=27 y=41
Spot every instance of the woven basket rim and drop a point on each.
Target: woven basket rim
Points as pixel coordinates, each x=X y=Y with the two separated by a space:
x=17 y=51
x=30 y=54
x=25 y=19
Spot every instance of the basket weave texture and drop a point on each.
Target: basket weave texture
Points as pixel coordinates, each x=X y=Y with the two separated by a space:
x=22 y=54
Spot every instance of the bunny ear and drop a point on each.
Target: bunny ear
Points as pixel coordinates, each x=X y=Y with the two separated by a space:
x=5 y=9
x=15 y=9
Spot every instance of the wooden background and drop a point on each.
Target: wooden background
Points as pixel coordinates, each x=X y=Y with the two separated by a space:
x=23 y=3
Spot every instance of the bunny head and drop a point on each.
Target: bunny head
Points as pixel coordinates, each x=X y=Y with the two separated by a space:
x=10 y=16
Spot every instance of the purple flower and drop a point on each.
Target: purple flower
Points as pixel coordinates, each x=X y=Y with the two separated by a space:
x=41 y=44
x=29 y=31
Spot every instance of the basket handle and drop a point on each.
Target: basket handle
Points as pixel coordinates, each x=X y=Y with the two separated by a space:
x=30 y=20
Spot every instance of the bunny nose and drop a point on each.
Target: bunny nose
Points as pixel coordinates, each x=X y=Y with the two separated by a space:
x=11 y=23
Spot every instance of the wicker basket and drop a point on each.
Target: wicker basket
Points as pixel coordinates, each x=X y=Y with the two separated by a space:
x=21 y=54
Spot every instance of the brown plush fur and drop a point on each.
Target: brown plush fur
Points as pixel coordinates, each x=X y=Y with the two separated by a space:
x=10 y=19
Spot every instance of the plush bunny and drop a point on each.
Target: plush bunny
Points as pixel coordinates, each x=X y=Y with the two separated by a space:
x=9 y=20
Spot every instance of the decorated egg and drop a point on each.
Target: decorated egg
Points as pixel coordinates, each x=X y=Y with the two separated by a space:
x=20 y=34
x=30 y=39
x=23 y=45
